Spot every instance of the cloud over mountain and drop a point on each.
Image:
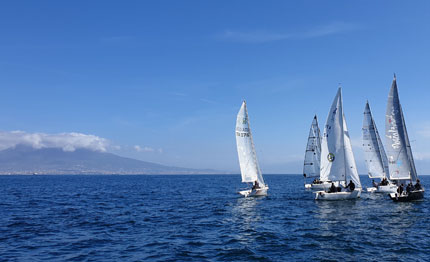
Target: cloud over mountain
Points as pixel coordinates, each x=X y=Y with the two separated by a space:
x=69 y=142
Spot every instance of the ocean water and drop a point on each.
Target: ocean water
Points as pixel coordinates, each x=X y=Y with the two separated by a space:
x=201 y=218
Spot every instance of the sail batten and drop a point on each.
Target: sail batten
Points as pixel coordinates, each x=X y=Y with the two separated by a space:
x=311 y=165
x=400 y=160
x=249 y=168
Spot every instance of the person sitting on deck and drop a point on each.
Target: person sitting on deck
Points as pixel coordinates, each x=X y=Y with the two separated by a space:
x=409 y=188
x=418 y=185
x=333 y=188
x=351 y=186
x=256 y=185
x=400 y=189
x=374 y=183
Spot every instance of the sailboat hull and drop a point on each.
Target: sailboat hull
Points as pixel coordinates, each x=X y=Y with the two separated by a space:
x=412 y=196
x=254 y=192
x=322 y=195
x=323 y=186
x=383 y=189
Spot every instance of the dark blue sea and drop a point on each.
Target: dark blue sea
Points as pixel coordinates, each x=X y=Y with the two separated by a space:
x=201 y=218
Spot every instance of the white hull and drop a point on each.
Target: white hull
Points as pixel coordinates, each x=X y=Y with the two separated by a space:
x=323 y=186
x=383 y=189
x=322 y=195
x=254 y=192
x=371 y=189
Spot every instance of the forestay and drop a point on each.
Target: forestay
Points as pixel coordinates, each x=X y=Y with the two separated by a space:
x=374 y=153
x=400 y=160
x=245 y=148
x=337 y=159
x=311 y=167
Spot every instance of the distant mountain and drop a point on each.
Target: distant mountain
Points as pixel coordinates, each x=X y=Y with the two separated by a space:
x=27 y=160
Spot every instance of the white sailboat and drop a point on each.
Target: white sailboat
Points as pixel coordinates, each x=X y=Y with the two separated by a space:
x=374 y=155
x=400 y=160
x=337 y=159
x=249 y=167
x=311 y=165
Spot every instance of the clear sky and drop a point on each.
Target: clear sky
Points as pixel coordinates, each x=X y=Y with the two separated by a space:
x=163 y=81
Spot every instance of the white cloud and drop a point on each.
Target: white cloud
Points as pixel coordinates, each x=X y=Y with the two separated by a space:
x=424 y=130
x=66 y=141
x=144 y=149
x=207 y=101
x=116 y=147
x=177 y=94
x=262 y=36
x=421 y=156
x=329 y=29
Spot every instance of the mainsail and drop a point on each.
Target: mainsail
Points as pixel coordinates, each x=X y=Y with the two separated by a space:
x=337 y=159
x=374 y=153
x=311 y=166
x=245 y=148
x=400 y=160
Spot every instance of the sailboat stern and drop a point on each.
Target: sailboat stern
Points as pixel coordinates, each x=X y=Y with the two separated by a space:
x=262 y=191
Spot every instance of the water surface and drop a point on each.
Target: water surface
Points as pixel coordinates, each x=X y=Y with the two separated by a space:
x=201 y=218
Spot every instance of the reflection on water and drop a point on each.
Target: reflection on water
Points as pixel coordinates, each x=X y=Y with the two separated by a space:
x=246 y=215
x=333 y=215
x=337 y=226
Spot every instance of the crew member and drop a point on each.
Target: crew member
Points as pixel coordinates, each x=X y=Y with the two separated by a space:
x=351 y=186
x=418 y=185
x=333 y=188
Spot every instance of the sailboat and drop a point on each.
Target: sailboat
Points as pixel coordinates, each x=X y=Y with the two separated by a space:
x=400 y=160
x=249 y=168
x=311 y=165
x=374 y=155
x=337 y=158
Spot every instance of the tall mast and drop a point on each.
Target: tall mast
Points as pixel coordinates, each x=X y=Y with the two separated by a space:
x=343 y=133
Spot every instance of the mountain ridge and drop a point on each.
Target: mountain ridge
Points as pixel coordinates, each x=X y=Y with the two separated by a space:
x=23 y=159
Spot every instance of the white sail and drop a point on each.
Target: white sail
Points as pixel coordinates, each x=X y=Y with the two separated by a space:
x=350 y=166
x=400 y=160
x=337 y=159
x=311 y=166
x=245 y=148
x=374 y=153
x=332 y=149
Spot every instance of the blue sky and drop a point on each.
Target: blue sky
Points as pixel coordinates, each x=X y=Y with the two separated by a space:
x=163 y=81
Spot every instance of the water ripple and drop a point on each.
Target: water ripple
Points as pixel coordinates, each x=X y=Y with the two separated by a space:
x=187 y=218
